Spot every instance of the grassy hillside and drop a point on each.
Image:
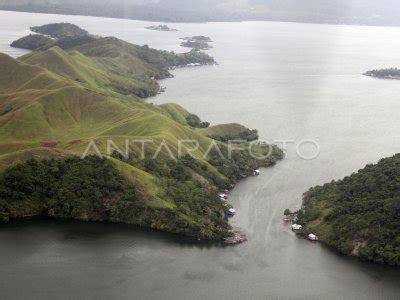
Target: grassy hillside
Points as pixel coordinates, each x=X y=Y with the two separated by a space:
x=17 y=77
x=96 y=72
x=105 y=62
x=56 y=102
x=359 y=214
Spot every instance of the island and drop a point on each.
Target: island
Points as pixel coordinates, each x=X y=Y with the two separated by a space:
x=160 y=28
x=199 y=42
x=391 y=73
x=79 y=141
x=358 y=215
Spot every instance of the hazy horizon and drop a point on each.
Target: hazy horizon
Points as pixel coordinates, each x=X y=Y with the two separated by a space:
x=362 y=12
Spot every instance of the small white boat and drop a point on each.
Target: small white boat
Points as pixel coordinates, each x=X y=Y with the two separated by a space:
x=256 y=172
x=297 y=227
x=312 y=237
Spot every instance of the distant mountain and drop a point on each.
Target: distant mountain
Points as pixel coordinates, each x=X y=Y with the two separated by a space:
x=368 y=12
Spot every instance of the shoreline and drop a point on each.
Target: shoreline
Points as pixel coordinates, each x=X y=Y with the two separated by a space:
x=238 y=232
x=55 y=13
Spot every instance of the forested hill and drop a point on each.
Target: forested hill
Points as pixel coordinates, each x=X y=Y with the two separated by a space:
x=359 y=215
x=362 y=12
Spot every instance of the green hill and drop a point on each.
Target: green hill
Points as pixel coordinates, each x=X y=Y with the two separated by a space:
x=16 y=77
x=359 y=214
x=57 y=102
x=105 y=62
x=95 y=72
x=33 y=42
x=59 y=30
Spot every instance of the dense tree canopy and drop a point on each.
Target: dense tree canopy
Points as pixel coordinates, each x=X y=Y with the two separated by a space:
x=359 y=215
x=89 y=189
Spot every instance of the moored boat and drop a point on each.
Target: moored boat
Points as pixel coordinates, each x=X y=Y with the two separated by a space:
x=297 y=227
x=230 y=212
x=312 y=237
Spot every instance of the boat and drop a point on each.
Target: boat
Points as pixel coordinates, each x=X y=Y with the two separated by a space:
x=312 y=237
x=297 y=227
x=231 y=212
x=256 y=172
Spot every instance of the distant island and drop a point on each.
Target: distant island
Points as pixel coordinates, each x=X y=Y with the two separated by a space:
x=70 y=114
x=358 y=215
x=198 y=38
x=160 y=28
x=199 y=42
x=391 y=73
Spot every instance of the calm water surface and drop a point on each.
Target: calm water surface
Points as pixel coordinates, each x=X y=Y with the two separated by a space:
x=291 y=82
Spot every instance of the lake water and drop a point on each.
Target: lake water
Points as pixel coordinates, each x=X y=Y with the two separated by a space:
x=290 y=81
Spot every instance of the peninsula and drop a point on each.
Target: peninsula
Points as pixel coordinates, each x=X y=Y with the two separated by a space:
x=72 y=117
